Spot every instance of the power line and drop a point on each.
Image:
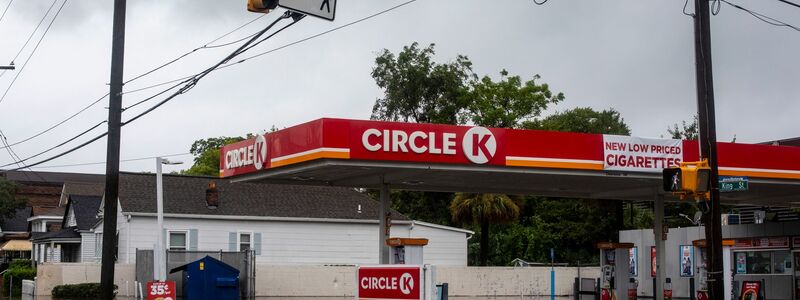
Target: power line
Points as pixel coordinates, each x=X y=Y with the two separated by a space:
x=103 y=162
x=790 y=3
x=54 y=147
x=281 y=47
x=207 y=45
x=29 y=36
x=58 y=124
x=763 y=17
x=188 y=86
x=6 y=10
x=34 y=51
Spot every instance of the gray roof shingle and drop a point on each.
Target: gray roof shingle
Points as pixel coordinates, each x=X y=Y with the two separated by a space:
x=18 y=222
x=85 y=209
x=187 y=195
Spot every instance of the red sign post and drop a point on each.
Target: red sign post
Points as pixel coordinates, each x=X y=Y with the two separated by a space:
x=157 y=290
x=389 y=282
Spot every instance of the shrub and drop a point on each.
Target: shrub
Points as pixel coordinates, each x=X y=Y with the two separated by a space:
x=20 y=264
x=18 y=274
x=78 y=291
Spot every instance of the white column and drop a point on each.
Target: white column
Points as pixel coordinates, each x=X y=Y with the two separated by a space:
x=658 y=212
x=159 y=262
x=383 y=250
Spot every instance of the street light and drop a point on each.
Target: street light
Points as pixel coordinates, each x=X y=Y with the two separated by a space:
x=159 y=259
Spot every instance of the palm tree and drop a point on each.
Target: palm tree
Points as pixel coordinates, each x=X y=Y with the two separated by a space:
x=483 y=209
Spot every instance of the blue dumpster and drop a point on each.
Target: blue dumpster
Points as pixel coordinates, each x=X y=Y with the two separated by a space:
x=209 y=279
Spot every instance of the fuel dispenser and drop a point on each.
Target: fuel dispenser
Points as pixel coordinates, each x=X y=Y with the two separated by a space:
x=406 y=251
x=614 y=265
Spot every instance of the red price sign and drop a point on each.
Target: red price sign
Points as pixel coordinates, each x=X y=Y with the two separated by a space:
x=157 y=290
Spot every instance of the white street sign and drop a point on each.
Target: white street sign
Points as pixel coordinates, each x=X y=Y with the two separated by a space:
x=325 y=9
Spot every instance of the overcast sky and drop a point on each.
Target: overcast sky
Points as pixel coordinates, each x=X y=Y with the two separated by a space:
x=634 y=56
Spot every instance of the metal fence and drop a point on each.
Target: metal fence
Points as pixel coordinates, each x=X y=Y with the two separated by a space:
x=243 y=261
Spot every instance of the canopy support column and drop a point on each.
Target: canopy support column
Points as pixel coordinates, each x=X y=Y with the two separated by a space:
x=385 y=224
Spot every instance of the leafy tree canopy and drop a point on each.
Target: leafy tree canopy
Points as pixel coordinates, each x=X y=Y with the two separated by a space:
x=206 y=154
x=583 y=119
x=9 y=202
x=687 y=131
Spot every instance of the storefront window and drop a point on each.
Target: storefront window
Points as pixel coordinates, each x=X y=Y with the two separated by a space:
x=781 y=262
x=759 y=262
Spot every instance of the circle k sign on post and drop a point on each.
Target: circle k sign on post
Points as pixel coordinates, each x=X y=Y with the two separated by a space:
x=389 y=282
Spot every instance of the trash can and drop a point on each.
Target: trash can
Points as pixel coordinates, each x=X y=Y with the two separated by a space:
x=209 y=279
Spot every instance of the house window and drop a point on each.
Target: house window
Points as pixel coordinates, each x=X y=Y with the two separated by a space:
x=245 y=241
x=178 y=240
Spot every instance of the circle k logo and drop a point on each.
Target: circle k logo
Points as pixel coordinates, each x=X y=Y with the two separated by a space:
x=479 y=145
x=260 y=151
x=406 y=283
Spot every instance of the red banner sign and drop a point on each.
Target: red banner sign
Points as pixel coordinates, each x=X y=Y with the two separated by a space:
x=389 y=282
x=157 y=290
x=475 y=145
x=772 y=242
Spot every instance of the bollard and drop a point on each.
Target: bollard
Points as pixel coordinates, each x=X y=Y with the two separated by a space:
x=444 y=291
x=655 y=291
x=692 y=295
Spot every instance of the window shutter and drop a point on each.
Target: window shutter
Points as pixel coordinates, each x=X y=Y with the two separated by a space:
x=232 y=242
x=257 y=243
x=192 y=239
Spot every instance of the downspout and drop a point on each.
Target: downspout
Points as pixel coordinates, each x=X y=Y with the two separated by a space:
x=128 y=240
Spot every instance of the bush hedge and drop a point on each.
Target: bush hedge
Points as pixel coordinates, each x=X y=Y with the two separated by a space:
x=20 y=264
x=19 y=270
x=78 y=291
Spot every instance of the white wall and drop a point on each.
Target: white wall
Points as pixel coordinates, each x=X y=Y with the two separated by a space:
x=281 y=281
x=88 y=247
x=297 y=243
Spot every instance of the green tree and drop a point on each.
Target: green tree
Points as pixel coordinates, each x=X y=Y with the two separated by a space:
x=687 y=131
x=9 y=202
x=417 y=89
x=206 y=154
x=508 y=102
x=583 y=119
x=484 y=209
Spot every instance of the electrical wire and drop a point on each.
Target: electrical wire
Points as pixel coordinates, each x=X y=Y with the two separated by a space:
x=540 y=3
x=103 y=162
x=281 y=47
x=718 y=4
x=6 y=10
x=207 y=45
x=29 y=36
x=33 y=52
x=56 y=146
x=685 y=3
x=188 y=86
x=790 y=3
x=763 y=17
x=16 y=158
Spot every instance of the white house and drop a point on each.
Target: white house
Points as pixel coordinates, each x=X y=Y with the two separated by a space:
x=284 y=224
x=75 y=241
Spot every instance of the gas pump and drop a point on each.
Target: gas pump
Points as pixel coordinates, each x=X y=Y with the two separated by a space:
x=614 y=265
x=406 y=251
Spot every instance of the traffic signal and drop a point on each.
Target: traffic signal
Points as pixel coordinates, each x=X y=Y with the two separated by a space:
x=690 y=178
x=261 y=6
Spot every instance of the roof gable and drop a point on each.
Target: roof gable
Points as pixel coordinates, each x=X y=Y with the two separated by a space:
x=81 y=212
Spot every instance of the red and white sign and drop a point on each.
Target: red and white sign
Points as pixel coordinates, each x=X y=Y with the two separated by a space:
x=158 y=290
x=389 y=282
x=653 y=266
x=378 y=141
x=627 y=153
x=772 y=242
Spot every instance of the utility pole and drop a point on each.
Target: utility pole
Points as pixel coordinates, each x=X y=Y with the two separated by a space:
x=112 y=154
x=708 y=145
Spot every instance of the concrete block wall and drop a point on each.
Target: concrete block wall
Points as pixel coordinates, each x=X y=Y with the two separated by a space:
x=49 y=275
x=279 y=281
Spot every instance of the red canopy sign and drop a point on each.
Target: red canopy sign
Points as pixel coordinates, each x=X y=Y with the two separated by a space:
x=471 y=145
x=389 y=282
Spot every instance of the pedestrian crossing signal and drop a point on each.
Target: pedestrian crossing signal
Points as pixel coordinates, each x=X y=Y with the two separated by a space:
x=690 y=178
x=261 y=6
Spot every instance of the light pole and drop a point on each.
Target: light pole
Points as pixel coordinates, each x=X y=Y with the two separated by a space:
x=159 y=260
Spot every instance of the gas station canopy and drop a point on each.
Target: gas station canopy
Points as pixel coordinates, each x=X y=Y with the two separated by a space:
x=434 y=157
